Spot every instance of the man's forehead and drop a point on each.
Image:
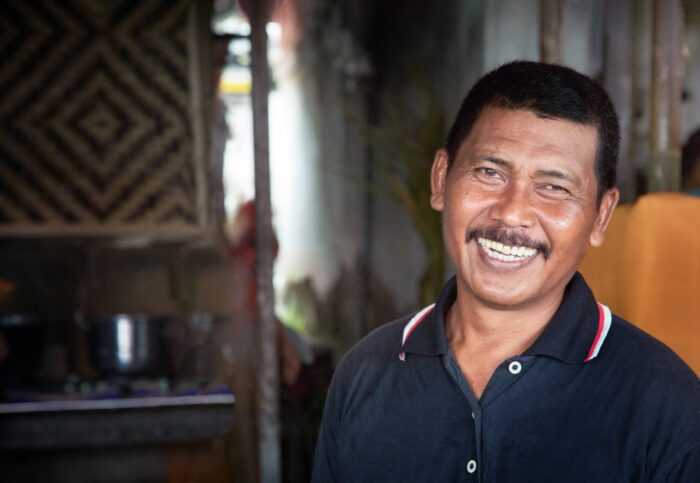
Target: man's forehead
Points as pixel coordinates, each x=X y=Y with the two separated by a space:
x=516 y=134
x=505 y=111
x=494 y=121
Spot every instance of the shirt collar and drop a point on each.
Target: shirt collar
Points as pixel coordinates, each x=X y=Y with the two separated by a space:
x=570 y=336
x=428 y=337
x=575 y=328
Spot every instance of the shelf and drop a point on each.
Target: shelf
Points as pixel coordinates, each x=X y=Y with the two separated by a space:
x=114 y=422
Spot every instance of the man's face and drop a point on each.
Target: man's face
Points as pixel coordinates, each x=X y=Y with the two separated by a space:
x=519 y=206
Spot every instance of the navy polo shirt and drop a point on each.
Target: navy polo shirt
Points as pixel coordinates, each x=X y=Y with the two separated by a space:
x=594 y=399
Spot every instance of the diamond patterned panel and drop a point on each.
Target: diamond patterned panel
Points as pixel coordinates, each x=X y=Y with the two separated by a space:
x=94 y=113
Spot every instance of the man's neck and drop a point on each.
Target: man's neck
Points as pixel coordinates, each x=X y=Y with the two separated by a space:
x=482 y=336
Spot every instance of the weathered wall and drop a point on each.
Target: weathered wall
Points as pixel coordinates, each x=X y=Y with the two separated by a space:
x=691 y=84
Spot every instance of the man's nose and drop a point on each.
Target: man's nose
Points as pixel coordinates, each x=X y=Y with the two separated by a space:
x=514 y=206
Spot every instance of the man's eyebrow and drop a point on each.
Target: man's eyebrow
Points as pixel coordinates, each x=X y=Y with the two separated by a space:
x=553 y=173
x=498 y=161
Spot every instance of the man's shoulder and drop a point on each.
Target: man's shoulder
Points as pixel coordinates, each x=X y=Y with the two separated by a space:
x=370 y=357
x=664 y=393
x=644 y=360
x=379 y=344
x=642 y=349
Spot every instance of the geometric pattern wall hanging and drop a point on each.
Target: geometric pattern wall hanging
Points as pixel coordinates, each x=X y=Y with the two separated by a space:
x=95 y=113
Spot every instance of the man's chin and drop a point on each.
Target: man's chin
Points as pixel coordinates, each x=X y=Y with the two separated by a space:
x=504 y=287
x=502 y=298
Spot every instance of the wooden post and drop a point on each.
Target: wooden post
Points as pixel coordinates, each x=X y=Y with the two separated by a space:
x=268 y=377
x=199 y=50
x=618 y=82
x=550 y=31
x=663 y=173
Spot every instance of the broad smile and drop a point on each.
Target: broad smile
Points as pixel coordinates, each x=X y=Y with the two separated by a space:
x=505 y=253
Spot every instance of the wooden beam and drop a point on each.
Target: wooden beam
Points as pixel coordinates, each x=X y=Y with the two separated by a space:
x=268 y=377
x=107 y=230
x=618 y=82
x=199 y=47
x=663 y=173
x=550 y=31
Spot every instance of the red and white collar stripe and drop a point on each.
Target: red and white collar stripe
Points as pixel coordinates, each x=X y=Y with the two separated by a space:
x=604 y=322
x=412 y=324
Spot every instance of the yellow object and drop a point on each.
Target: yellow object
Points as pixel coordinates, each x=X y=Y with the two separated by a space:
x=235 y=87
x=648 y=270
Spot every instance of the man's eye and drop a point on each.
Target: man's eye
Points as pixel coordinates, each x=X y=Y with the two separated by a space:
x=555 y=188
x=489 y=172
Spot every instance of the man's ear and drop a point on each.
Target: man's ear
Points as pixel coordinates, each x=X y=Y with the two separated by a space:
x=438 y=175
x=607 y=206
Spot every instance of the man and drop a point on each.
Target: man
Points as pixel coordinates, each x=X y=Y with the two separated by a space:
x=516 y=373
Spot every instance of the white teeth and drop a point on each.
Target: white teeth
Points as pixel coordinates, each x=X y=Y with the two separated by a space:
x=505 y=253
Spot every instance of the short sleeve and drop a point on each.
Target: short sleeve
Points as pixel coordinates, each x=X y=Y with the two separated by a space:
x=686 y=470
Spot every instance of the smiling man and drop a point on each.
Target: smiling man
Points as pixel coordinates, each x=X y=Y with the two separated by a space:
x=516 y=373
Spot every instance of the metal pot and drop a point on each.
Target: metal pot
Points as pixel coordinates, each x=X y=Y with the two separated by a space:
x=127 y=344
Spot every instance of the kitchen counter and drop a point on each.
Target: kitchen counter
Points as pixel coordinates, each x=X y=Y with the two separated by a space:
x=114 y=422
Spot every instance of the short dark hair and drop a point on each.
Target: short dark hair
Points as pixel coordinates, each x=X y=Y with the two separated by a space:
x=549 y=91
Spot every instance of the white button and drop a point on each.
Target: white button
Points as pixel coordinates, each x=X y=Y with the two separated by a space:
x=471 y=466
x=472 y=415
x=515 y=367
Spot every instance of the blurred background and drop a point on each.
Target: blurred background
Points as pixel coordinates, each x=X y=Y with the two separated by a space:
x=204 y=203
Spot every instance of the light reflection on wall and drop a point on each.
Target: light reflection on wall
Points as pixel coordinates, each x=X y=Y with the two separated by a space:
x=298 y=211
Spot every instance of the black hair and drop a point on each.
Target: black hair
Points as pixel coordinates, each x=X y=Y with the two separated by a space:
x=549 y=91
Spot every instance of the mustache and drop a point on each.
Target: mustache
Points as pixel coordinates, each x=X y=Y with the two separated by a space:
x=510 y=237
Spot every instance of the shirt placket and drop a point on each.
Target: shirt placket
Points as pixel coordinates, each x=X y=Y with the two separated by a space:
x=508 y=373
x=471 y=461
